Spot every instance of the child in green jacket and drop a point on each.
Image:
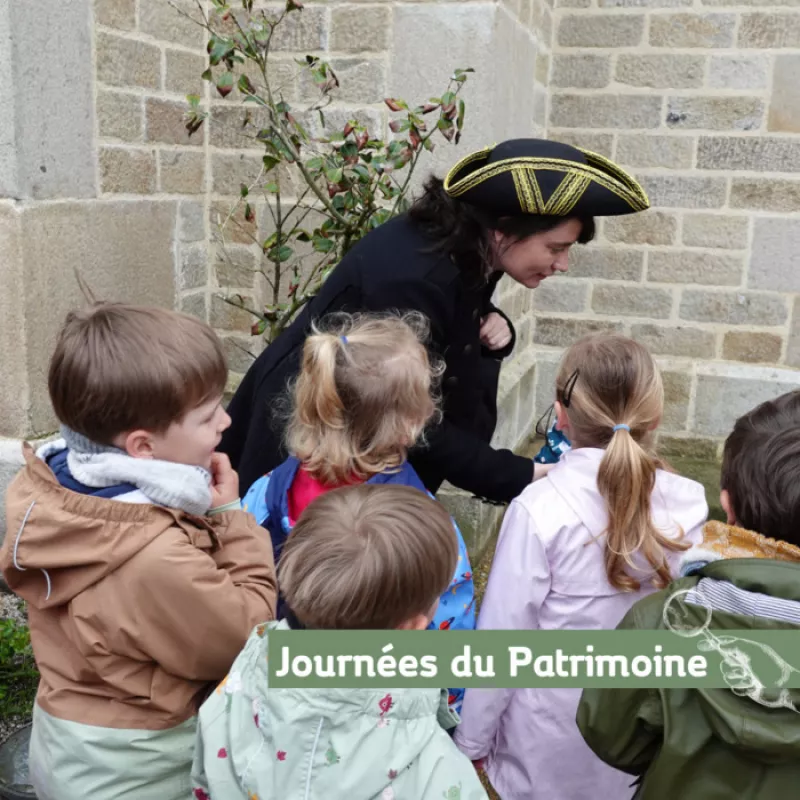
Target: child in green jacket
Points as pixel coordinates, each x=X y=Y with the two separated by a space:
x=743 y=741
x=362 y=557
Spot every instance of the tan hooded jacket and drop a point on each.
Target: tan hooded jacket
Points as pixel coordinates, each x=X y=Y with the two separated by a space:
x=133 y=609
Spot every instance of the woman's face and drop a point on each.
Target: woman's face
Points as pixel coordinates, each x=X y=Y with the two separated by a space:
x=529 y=261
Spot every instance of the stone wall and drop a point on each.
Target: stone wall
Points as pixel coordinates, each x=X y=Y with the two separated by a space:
x=98 y=175
x=697 y=97
x=700 y=100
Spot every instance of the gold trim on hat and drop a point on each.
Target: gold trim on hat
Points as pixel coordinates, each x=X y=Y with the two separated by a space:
x=528 y=192
x=577 y=179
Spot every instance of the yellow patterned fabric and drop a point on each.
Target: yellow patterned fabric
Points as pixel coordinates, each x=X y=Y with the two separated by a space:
x=728 y=541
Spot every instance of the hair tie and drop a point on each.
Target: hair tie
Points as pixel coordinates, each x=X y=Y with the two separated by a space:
x=622 y=427
x=344 y=339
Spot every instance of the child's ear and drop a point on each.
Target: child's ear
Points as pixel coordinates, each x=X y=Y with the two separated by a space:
x=562 y=420
x=419 y=622
x=727 y=506
x=137 y=444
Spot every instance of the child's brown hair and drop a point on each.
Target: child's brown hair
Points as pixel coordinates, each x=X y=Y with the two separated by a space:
x=363 y=396
x=608 y=384
x=118 y=367
x=368 y=557
x=761 y=469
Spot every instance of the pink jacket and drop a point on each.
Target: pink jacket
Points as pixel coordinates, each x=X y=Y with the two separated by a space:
x=548 y=573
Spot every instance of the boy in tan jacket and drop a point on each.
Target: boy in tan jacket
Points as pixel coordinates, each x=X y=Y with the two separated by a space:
x=142 y=574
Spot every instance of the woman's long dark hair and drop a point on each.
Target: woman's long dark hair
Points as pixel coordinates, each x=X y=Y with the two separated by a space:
x=465 y=232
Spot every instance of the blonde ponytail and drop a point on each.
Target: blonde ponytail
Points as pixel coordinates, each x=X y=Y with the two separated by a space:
x=316 y=391
x=626 y=480
x=365 y=392
x=614 y=398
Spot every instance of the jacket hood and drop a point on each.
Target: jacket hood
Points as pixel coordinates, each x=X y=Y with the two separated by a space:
x=61 y=542
x=759 y=716
x=678 y=504
x=363 y=738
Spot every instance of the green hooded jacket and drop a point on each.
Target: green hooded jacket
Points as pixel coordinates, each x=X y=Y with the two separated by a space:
x=707 y=744
x=257 y=743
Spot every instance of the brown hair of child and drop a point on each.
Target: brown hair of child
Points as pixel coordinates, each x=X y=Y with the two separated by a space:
x=607 y=380
x=365 y=392
x=119 y=367
x=761 y=469
x=368 y=557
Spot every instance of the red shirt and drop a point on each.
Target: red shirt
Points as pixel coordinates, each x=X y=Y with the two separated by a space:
x=305 y=489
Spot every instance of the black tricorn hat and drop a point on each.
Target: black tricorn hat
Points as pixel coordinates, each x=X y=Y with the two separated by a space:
x=537 y=176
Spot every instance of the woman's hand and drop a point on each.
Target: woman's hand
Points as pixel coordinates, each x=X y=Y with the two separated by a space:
x=224 y=481
x=495 y=332
x=540 y=470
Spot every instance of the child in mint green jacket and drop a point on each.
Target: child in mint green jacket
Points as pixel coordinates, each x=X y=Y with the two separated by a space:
x=361 y=557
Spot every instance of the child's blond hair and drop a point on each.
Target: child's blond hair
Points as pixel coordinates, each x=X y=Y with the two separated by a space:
x=368 y=557
x=607 y=381
x=119 y=367
x=363 y=396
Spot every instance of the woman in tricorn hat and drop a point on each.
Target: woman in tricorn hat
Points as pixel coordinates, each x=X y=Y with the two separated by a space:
x=517 y=209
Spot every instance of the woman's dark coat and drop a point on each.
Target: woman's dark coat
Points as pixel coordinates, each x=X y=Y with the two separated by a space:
x=394 y=267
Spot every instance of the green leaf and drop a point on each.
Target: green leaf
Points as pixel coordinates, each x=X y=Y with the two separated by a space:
x=280 y=254
x=218 y=49
x=362 y=172
x=225 y=84
x=245 y=86
x=270 y=163
x=206 y=76
x=447 y=98
x=314 y=164
x=303 y=132
x=283 y=107
x=395 y=148
x=272 y=188
x=243 y=190
x=303 y=236
x=334 y=175
x=258 y=327
x=323 y=245
x=461 y=111
x=270 y=242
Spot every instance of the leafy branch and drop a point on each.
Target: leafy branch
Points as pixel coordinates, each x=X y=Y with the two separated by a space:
x=324 y=186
